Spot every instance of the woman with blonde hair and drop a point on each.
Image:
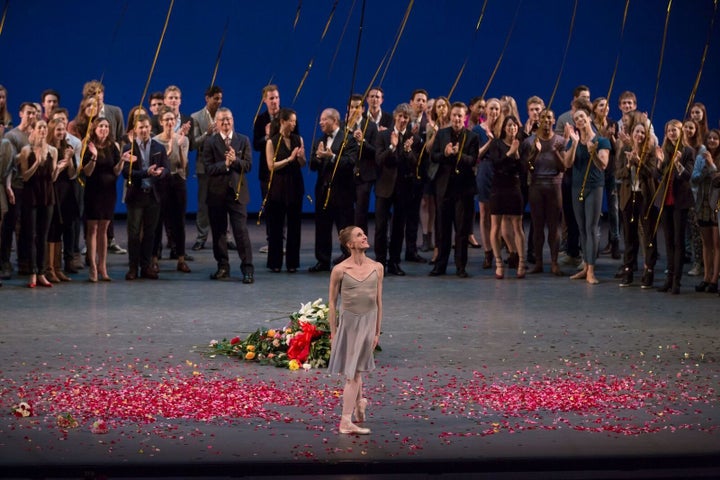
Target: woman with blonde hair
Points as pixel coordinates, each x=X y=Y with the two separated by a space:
x=487 y=131
x=674 y=199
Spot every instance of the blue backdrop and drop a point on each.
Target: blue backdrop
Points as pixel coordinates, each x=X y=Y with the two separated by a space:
x=49 y=44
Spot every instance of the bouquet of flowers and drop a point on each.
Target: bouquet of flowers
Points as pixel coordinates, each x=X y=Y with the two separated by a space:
x=303 y=342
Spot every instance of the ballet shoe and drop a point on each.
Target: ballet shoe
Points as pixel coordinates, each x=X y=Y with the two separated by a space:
x=352 y=429
x=360 y=410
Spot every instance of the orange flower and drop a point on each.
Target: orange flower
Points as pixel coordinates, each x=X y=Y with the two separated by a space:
x=271 y=333
x=251 y=348
x=249 y=355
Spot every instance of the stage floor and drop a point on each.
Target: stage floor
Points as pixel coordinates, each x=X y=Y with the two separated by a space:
x=477 y=378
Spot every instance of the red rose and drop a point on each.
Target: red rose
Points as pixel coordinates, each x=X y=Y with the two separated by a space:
x=235 y=340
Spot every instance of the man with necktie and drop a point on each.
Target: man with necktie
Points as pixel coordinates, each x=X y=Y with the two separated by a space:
x=145 y=169
x=228 y=159
x=333 y=158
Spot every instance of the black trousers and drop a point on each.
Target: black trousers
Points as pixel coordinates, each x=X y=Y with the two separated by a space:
x=362 y=204
x=340 y=216
x=172 y=215
x=674 y=221
x=277 y=213
x=35 y=225
x=398 y=202
x=573 y=232
x=143 y=215
x=455 y=211
x=237 y=214
x=412 y=218
x=637 y=231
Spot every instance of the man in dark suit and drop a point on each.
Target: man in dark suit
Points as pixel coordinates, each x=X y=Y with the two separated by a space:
x=455 y=149
x=228 y=158
x=333 y=157
x=383 y=120
x=364 y=131
x=145 y=170
x=397 y=156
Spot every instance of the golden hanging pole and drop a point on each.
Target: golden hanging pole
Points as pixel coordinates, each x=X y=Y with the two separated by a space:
x=157 y=52
x=220 y=49
x=617 y=58
x=502 y=52
x=467 y=57
x=567 y=48
x=269 y=185
x=4 y=16
x=662 y=55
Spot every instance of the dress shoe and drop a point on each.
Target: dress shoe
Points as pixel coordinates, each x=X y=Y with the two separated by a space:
x=537 y=269
x=198 y=246
x=393 y=268
x=319 y=267
x=131 y=274
x=220 y=274
x=248 y=278
x=149 y=273
x=436 y=272
x=414 y=257
x=462 y=273
x=183 y=267
x=292 y=270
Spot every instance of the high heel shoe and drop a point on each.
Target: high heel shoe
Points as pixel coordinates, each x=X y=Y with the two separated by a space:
x=499 y=268
x=360 y=410
x=522 y=268
x=43 y=282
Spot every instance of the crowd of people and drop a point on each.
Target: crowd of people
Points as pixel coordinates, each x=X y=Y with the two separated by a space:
x=430 y=163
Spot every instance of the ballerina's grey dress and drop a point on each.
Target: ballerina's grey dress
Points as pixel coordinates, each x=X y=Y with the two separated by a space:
x=352 y=349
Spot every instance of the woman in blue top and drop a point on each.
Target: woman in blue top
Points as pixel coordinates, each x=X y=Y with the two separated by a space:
x=587 y=155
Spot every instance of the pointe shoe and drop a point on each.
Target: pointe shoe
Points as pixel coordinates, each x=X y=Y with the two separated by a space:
x=352 y=429
x=360 y=410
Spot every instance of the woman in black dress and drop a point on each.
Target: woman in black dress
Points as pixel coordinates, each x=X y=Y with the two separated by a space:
x=101 y=165
x=66 y=210
x=285 y=153
x=506 y=200
x=37 y=167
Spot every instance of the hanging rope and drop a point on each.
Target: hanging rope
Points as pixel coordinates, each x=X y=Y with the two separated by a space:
x=662 y=55
x=617 y=58
x=502 y=52
x=470 y=50
x=220 y=49
x=312 y=60
x=567 y=48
